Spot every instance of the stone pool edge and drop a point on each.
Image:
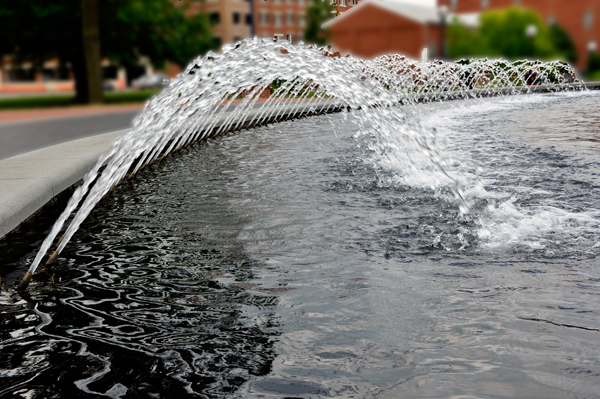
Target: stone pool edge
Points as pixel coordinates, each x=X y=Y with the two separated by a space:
x=32 y=180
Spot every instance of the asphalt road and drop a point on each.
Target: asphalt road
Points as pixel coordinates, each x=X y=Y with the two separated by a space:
x=24 y=136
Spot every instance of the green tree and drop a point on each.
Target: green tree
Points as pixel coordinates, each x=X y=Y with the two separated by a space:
x=563 y=42
x=90 y=29
x=38 y=30
x=501 y=33
x=461 y=41
x=594 y=62
x=317 y=13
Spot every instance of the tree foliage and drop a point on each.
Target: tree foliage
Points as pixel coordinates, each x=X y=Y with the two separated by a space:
x=38 y=30
x=564 y=43
x=159 y=29
x=317 y=13
x=594 y=62
x=501 y=33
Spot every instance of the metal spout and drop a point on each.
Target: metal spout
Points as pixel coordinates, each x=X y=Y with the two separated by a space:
x=51 y=260
x=24 y=282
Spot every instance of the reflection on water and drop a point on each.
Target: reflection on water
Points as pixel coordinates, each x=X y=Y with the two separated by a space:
x=157 y=299
x=291 y=262
x=543 y=123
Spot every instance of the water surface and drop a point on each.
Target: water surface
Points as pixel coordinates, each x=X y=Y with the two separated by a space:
x=306 y=259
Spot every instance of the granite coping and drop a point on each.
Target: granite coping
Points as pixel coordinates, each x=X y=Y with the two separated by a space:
x=28 y=181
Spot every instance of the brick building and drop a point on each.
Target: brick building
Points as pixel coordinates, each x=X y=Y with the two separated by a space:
x=286 y=19
x=378 y=27
x=394 y=26
x=231 y=19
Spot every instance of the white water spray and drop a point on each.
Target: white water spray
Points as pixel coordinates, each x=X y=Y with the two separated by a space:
x=303 y=78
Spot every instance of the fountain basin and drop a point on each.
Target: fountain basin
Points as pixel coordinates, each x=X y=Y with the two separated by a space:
x=289 y=261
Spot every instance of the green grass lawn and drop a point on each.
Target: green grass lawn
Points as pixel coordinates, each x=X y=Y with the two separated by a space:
x=62 y=100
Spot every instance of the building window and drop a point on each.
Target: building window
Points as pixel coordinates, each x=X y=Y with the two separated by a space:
x=214 y=18
x=453 y=5
x=248 y=19
x=352 y=2
x=290 y=1
x=236 y=18
x=588 y=20
x=290 y=18
x=517 y=1
x=302 y=20
x=276 y=1
x=301 y=2
x=277 y=19
x=264 y=18
x=485 y=3
x=551 y=19
x=343 y=3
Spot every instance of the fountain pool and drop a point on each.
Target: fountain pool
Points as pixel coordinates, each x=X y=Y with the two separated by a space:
x=287 y=261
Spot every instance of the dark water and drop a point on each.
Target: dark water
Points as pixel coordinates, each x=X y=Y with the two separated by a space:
x=306 y=260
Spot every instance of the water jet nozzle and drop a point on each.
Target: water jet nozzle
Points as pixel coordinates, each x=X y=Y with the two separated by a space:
x=51 y=260
x=24 y=282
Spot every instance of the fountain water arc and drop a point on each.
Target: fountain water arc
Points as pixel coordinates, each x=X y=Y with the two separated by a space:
x=221 y=92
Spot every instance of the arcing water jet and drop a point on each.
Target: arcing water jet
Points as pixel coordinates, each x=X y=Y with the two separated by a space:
x=198 y=104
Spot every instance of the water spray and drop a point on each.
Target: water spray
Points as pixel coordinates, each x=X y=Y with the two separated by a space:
x=220 y=92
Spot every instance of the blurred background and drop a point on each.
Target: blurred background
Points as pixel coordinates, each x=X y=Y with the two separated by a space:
x=59 y=53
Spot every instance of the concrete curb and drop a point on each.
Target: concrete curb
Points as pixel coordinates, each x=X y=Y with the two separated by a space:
x=31 y=180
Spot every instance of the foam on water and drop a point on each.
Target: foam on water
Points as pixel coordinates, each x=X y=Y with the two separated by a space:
x=517 y=205
x=507 y=226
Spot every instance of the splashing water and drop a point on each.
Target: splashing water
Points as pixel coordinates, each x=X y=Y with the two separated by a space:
x=303 y=79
